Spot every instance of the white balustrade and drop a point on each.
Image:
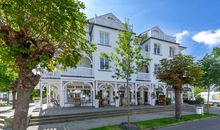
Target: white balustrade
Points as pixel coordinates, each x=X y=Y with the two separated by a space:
x=163 y=37
x=143 y=76
x=51 y=74
x=145 y=53
x=79 y=71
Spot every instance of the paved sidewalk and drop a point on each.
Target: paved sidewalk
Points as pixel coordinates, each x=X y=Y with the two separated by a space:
x=73 y=110
x=94 y=123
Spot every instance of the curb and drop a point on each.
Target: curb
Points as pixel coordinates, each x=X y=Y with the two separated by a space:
x=178 y=123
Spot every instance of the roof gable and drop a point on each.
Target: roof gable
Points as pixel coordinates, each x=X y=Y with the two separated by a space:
x=109 y=20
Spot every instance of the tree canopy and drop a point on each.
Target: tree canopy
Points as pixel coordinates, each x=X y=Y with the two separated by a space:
x=40 y=34
x=38 y=22
x=180 y=70
x=210 y=64
x=127 y=59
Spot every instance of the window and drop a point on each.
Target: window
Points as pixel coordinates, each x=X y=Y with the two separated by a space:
x=157 y=49
x=156 y=68
x=146 y=47
x=104 y=63
x=104 y=38
x=172 y=51
x=145 y=69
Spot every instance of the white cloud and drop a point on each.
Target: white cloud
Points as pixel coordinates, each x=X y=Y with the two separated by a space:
x=210 y=37
x=179 y=36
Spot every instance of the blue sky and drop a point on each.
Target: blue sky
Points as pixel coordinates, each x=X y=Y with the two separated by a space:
x=196 y=23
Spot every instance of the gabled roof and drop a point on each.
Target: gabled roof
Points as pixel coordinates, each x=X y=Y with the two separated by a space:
x=109 y=20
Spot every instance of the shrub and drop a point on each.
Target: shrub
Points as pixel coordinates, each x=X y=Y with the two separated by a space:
x=168 y=101
x=199 y=100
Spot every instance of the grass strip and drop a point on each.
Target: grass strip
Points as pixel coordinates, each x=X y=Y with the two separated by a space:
x=155 y=123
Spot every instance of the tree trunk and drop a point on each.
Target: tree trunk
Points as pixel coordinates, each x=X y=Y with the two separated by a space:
x=13 y=99
x=26 y=83
x=21 y=109
x=178 y=103
x=128 y=98
x=8 y=98
x=208 y=99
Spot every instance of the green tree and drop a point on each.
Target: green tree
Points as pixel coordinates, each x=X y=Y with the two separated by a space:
x=210 y=64
x=41 y=35
x=198 y=89
x=179 y=71
x=8 y=73
x=127 y=60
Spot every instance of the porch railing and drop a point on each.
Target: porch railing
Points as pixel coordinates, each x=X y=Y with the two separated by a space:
x=79 y=71
x=143 y=76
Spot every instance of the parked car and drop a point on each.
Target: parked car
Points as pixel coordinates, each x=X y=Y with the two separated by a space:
x=214 y=98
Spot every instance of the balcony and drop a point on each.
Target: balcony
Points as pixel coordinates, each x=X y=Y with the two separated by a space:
x=145 y=53
x=143 y=76
x=79 y=71
x=162 y=36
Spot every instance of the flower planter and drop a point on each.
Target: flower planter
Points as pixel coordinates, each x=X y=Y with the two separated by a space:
x=104 y=102
x=199 y=110
x=123 y=102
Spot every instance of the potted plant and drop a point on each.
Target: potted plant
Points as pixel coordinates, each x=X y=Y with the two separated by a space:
x=117 y=102
x=104 y=102
x=199 y=105
x=123 y=101
x=168 y=100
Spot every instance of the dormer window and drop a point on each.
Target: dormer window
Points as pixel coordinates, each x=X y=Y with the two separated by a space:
x=110 y=18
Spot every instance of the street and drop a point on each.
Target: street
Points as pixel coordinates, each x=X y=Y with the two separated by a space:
x=205 y=124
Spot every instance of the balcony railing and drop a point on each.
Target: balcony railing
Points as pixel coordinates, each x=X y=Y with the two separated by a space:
x=79 y=71
x=143 y=76
x=163 y=37
x=51 y=74
x=145 y=53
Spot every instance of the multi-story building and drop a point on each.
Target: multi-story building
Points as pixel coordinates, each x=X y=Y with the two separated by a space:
x=92 y=79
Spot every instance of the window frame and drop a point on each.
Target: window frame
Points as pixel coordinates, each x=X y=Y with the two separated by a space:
x=157 y=49
x=172 y=51
x=104 y=38
x=104 y=64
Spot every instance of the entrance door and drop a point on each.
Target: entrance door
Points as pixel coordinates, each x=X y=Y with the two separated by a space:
x=145 y=97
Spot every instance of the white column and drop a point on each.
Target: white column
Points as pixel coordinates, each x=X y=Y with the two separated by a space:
x=61 y=93
x=132 y=94
x=164 y=90
x=149 y=96
x=91 y=93
x=111 y=95
x=136 y=93
x=96 y=88
x=47 y=87
x=41 y=94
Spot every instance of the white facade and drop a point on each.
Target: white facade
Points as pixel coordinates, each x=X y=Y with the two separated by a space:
x=92 y=78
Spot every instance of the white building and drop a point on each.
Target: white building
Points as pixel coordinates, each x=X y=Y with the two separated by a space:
x=92 y=78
